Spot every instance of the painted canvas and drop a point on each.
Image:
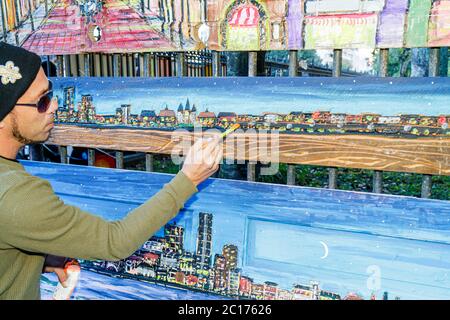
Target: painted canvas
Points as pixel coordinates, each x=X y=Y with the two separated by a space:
x=246 y=240
x=115 y=26
x=392 y=24
x=417 y=24
x=380 y=106
x=367 y=123
x=439 y=32
x=340 y=31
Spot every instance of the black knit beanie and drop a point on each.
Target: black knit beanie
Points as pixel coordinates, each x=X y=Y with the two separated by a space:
x=18 y=69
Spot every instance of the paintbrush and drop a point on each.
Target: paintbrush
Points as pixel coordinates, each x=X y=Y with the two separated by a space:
x=234 y=127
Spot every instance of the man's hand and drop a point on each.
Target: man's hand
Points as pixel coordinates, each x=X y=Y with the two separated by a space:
x=203 y=159
x=60 y=273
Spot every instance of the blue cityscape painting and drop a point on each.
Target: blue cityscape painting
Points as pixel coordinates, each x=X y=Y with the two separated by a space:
x=247 y=240
x=388 y=106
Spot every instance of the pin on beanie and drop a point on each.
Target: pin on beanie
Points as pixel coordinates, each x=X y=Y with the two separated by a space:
x=18 y=69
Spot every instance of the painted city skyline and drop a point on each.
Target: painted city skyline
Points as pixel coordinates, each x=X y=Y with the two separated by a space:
x=386 y=96
x=164 y=259
x=280 y=230
x=82 y=102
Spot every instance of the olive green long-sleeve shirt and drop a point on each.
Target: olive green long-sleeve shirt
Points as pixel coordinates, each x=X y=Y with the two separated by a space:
x=34 y=222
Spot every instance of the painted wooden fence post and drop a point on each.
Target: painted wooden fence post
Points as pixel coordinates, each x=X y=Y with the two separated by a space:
x=202 y=64
x=105 y=70
x=252 y=63
x=149 y=159
x=74 y=68
x=66 y=67
x=216 y=64
x=82 y=67
x=142 y=65
x=110 y=65
x=377 y=183
x=123 y=65
x=433 y=71
x=251 y=171
x=293 y=72
x=434 y=63
x=293 y=63
x=63 y=154
x=87 y=65
x=290 y=175
x=157 y=62
x=152 y=65
x=146 y=65
x=332 y=178
x=180 y=64
x=147 y=72
x=252 y=72
x=60 y=66
x=426 y=186
x=116 y=65
x=91 y=157
x=119 y=160
x=131 y=70
x=97 y=65
x=384 y=63
x=443 y=70
x=337 y=72
x=337 y=62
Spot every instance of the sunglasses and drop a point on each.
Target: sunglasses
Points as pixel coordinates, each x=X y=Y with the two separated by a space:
x=44 y=101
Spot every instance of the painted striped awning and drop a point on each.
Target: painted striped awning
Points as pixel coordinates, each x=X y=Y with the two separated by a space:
x=244 y=16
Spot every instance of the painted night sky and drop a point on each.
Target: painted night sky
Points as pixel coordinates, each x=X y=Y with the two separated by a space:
x=386 y=96
x=278 y=230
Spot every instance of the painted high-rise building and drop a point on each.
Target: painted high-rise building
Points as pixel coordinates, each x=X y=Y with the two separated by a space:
x=173 y=235
x=86 y=110
x=90 y=109
x=220 y=274
x=126 y=110
x=233 y=281
x=69 y=99
x=204 y=240
x=245 y=286
x=230 y=252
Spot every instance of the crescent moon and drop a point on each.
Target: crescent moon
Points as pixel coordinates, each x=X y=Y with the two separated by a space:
x=325 y=247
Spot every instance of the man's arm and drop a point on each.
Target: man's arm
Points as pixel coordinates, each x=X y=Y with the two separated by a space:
x=37 y=220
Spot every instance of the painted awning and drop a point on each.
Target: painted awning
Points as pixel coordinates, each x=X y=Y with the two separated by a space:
x=244 y=16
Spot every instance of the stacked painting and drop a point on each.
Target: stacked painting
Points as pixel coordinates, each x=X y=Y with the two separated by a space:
x=109 y=26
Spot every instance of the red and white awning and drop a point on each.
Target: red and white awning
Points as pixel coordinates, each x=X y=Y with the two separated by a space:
x=244 y=16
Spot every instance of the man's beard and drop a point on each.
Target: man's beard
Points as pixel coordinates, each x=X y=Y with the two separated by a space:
x=18 y=135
